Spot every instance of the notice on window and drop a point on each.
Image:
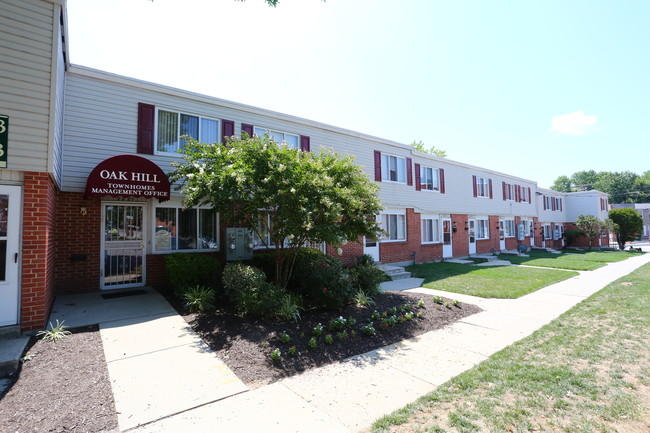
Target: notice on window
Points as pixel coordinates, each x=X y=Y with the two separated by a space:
x=4 y=140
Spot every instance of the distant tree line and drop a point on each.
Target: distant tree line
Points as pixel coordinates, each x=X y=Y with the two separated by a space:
x=622 y=187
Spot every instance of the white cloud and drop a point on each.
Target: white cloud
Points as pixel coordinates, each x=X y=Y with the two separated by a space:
x=576 y=123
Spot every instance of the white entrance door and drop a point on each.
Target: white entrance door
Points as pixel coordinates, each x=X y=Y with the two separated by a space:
x=371 y=247
x=502 y=236
x=471 y=232
x=10 y=221
x=123 y=263
x=447 y=247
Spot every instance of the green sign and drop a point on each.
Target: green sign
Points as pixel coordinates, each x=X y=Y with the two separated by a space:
x=4 y=140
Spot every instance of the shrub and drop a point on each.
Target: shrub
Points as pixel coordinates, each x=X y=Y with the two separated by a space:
x=572 y=236
x=289 y=307
x=190 y=270
x=198 y=299
x=249 y=291
x=366 y=276
x=319 y=278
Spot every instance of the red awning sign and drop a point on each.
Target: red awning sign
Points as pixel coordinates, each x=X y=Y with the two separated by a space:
x=128 y=176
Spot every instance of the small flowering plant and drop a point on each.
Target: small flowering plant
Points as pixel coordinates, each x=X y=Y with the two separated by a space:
x=284 y=337
x=368 y=330
x=420 y=303
x=375 y=315
x=292 y=351
x=312 y=343
x=337 y=324
x=318 y=330
x=276 y=355
x=329 y=339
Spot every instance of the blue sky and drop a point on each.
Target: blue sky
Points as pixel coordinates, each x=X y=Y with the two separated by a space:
x=537 y=89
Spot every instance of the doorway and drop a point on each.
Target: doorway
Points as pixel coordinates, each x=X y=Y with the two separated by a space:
x=471 y=232
x=10 y=223
x=502 y=236
x=447 y=247
x=371 y=247
x=123 y=263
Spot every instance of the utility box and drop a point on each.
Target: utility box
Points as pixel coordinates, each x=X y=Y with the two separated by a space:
x=239 y=244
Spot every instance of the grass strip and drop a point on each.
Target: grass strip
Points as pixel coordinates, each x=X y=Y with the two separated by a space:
x=587 y=371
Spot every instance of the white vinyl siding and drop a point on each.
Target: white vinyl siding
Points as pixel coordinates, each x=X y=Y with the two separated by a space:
x=26 y=80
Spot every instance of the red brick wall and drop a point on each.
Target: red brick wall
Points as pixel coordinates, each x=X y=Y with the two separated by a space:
x=583 y=241
x=350 y=252
x=38 y=250
x=460 y=239
x=79 y=242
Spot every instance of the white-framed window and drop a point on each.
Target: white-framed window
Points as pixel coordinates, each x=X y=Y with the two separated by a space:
x=482 y=187
x=178 y=229
x=524 y=193
x=549 y=202
x=291 y=140
x=393 y=168
x=429 y=179
x=510 y=191
x=171 y=125
x=558 y=203
x=548 y=234
x=509 y=228
x=430 y=229
x=394 y=226
x=482 y=228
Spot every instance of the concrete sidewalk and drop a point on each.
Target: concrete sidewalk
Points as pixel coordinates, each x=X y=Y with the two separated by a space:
x=165 y=380
x=348 y=396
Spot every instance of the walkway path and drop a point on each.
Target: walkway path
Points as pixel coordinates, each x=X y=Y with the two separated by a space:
x=341 y=397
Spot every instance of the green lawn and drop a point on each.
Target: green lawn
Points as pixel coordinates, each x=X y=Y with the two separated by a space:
x=575 y=260
x=486 y=282
x=587 y=371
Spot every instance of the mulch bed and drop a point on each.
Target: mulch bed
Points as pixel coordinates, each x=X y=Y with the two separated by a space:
x=63 y=387
x=245 y=344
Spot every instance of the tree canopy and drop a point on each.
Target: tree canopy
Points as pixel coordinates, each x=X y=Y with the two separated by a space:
x=286 y=196
x=628 y=225
x=433 y=150
x=622 y=187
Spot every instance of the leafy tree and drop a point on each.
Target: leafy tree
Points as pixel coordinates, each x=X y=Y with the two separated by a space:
x=628 y=224
x=293 y=196
x=562 y=184
x=618 y=185
x=420 y=147
x=642 y=188
x=584 y=180
x=591 y=227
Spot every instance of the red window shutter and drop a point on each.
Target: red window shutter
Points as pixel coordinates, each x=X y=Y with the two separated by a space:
x=305 y=145
x=529 y=197
x=552 y=203
x=560 y=205
x=247 y=128
x=418 y=187
x=544 y=200
x=409 y=171
x=377 y=166
x=474 y=186
x=518 y=193
x=442 y=181
x=503 y=187
x=227 y=130
x=146 y=122
x=490 y=187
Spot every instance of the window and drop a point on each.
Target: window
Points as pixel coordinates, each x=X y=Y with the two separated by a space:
x=172 y=125
x=509 y=228
x=482 y=187
x=394 y=226
x=547 y=232
x=509 y=191
x=430 y=230
x=558 y=204
x=393 y=168
x=290 y=140
x=185 y=229
x=524 y=194
x=482 y=229
x=548 y=202
x=429 y=179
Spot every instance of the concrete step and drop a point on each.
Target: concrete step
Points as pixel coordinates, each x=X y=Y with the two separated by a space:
x=460 y=261
x=11 y=350
x=395 y=272
x=489 y=257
